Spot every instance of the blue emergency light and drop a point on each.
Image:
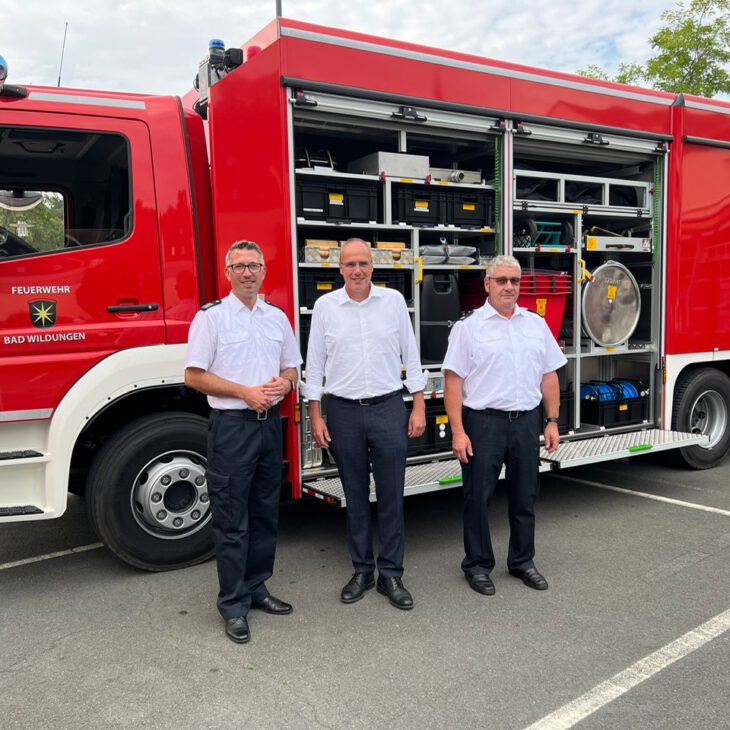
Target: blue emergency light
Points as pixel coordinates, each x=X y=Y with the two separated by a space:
x=3 y=71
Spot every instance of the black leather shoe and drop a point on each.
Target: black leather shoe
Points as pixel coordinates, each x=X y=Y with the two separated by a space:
x=237 y=630
x=274 y=605
x=356 y=587
x=397 y=594
x=481 y=583
x=531 y=577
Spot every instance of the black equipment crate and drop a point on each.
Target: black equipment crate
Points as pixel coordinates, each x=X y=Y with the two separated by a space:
x=342 y=202
x=313 y=283
x=437 y=436
x=418 y=206
x=468 y=208
x=398 y=279
x=624 y=412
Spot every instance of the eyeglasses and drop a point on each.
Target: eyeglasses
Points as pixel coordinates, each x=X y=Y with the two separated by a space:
x=502 y=280
x=240 y=268
x=350 y=265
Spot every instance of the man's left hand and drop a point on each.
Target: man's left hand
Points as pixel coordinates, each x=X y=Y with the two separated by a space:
x=417 y=422
x=277 y=387
x=552 y=437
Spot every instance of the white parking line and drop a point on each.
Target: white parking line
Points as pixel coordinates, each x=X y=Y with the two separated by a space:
x=655 y=497
x=572 y=713
x=48 y=556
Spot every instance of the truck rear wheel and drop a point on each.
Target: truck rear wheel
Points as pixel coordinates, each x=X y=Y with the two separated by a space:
x=702 y=405
x=147 y=493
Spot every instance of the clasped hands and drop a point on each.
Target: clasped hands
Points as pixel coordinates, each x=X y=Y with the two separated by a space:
x=262 y=397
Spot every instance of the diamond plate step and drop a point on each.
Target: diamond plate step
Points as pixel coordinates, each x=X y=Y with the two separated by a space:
x=609 y=447
x=420 y=478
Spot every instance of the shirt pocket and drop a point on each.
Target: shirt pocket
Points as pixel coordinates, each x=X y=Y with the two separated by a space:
x=273 y=343
x=490 y=349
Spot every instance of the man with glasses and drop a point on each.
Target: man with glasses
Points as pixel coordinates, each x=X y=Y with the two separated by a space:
x=242 y=354
x=361 y=337
x=500 y=364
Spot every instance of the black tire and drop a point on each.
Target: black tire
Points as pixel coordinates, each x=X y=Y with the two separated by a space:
x=125 y=466
x=702 y=405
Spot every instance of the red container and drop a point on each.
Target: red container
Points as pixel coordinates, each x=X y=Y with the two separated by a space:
x=550 y=306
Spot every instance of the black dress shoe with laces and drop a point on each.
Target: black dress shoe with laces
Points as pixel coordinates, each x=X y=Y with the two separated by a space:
x=481 y=583
x=274 y=605
x=237 y=630
x=531 y=577
x=396 y=592
x=355 y=588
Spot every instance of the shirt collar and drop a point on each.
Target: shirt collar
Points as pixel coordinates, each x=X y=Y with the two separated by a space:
x=343 y=297
x=237 y=305
x=488 y=311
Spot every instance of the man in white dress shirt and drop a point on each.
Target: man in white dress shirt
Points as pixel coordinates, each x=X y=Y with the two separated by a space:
x=500 y=364
x=361 y=337
x=243 y=355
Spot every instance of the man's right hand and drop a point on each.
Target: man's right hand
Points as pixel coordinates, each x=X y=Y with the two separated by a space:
x=256 y=398
x=320 y=432
x=461 y=446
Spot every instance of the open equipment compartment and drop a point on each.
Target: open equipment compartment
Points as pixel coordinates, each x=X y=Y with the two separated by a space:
x=594 y=209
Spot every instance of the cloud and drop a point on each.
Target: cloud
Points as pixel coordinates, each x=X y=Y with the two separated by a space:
x=154 y=46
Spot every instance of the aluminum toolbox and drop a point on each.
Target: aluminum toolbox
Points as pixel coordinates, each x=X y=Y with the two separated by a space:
x=617 y=243
x=393 y=164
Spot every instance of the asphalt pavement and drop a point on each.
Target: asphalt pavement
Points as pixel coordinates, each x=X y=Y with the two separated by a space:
x=87 y=642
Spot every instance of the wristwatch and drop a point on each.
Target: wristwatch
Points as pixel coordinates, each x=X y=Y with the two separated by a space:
x=551 y=420
x=293 y=385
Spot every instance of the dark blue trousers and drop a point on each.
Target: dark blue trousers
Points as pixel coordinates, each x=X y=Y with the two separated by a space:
x=244 y=481
x=378 y=435
x=497 y=440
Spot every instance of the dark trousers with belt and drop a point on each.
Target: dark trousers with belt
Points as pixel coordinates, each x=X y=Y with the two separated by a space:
x=244 y=481
x=361 y=435
x=497 y=438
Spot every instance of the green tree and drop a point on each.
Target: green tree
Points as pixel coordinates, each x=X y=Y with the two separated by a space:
x=692 y=52
x=42 y=226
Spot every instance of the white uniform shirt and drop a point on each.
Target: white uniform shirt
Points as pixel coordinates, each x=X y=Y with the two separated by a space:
x=502 y=360
x=246 y=346
x=358 y=348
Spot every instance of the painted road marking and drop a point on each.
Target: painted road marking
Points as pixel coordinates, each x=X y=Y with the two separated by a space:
x=48 y=556
x=573 y=712
x=646 y=495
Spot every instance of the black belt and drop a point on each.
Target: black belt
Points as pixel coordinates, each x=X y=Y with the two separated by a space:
x=368 y=401
x=248 y=414
x=509 y=415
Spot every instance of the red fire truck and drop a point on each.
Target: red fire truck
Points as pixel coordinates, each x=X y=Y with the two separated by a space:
x=116 y=211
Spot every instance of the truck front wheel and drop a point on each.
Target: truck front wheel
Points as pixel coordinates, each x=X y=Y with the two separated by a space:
x=147 y=493
x=702 y=405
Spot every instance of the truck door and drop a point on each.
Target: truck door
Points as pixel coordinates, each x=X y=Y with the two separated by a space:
x=79 y=261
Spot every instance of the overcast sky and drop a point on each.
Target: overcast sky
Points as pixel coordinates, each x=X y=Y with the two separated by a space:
x=154 y=46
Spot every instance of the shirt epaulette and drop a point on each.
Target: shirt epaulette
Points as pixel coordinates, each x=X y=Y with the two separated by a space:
x=209 y=305
x=271 y=304
x=466 y=314
x=532 y=311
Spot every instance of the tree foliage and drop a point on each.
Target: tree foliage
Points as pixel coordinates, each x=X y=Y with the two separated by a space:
x=42 y=226
x=692 y=52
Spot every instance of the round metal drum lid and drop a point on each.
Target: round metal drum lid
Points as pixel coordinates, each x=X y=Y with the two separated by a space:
x=611 y=305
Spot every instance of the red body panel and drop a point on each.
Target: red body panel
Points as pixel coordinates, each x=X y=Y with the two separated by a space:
x=698 y=261
x=250 y=174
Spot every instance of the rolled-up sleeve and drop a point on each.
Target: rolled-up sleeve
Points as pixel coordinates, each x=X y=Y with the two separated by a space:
x=416 y=378
x=313 y=387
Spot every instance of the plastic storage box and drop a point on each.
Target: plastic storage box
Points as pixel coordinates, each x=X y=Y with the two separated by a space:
x=337 y=202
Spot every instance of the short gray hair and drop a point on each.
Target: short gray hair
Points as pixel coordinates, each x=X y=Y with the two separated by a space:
x=244 y=246
x=509 y=261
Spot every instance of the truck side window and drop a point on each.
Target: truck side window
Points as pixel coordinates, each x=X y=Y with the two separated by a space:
x=61 y=189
